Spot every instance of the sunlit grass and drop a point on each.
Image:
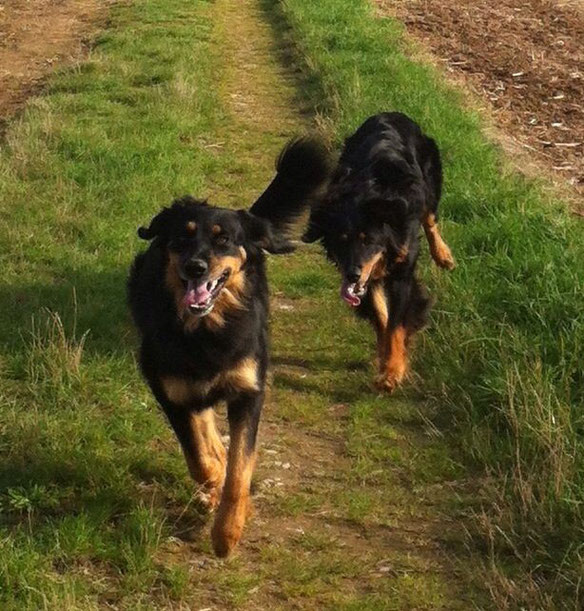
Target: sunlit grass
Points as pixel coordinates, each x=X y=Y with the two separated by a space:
x=502 y=362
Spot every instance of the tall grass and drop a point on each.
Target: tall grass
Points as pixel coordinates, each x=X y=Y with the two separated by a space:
x=503 y=364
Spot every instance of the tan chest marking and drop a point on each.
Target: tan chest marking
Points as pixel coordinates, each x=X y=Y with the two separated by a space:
x=241 y=378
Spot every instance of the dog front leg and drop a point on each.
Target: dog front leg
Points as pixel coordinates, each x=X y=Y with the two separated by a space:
x=244 y=415
x=438 y=248
x=393 y=366
x=202 y=447
x=380 y=321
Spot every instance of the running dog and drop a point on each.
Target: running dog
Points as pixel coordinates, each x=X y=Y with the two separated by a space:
x=199 y=298
x=387 y=183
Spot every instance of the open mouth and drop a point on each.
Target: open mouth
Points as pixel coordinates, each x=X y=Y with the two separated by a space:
x=200 y=298
x=352 y=292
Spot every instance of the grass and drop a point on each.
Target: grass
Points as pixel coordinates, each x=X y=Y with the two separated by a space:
x=353 y=494
x=503 y=361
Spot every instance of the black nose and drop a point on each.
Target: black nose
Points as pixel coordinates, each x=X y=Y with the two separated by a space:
x=196 y=268
x=354 y=274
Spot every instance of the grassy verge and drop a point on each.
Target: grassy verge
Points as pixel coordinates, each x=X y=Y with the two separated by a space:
x=353 y=496
x=503 y=362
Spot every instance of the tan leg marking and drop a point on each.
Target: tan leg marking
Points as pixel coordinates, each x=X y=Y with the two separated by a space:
x=379 y=302
x=235 y=501
x=438 y=248
x=393 y=371
x=207 y=462
x=402 y=255
x=243 y=377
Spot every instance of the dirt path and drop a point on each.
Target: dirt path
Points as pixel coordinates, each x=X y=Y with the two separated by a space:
x=525 y=61
x=316 y=541
x=36 y=36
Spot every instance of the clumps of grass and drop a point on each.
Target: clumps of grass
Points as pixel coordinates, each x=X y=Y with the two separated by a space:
x=502 y=364
x=53 y=361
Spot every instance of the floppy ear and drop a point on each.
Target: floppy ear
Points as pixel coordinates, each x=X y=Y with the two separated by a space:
x=260 y=232
x=157 y=225
x=314 y=231
x=396 y=172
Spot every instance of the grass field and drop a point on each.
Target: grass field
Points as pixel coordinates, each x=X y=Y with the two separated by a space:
x=361 y=501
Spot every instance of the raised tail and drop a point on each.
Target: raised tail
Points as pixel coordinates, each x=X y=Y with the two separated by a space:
x=302 y=168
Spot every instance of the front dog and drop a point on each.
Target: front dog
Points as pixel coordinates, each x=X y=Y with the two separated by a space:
x=199 y=298
x=388 y=182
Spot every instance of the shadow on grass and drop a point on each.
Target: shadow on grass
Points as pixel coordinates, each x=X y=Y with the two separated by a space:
x=307 y=82
x=76 y=455
x=319 y=362
x=84 y=301
x=47 y=487
x=343 y=392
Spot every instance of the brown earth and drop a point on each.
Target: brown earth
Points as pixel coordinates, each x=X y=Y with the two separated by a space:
x=36 y=36
x=524 y=58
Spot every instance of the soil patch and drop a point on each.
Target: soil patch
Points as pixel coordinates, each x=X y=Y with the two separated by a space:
x=524 y=58
x=36 y=36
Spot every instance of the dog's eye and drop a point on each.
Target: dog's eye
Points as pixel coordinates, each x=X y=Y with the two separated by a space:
x=221 y=239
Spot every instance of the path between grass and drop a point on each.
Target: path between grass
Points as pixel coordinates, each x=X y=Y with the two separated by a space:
x=359 y=502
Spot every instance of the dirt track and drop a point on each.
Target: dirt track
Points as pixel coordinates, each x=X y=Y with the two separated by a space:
x=36 y=36
x=525 y=60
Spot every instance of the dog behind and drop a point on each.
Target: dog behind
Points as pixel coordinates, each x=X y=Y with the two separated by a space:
x=387 y=183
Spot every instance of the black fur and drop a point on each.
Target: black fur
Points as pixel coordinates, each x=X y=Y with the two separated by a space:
x=388 y=181
x=195 y=246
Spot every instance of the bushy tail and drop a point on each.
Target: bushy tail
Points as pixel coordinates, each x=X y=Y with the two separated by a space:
x=302 y=168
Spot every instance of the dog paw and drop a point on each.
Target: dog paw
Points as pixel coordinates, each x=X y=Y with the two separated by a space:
x=388 y=382
x=444 y=259
x=228 y=527
x=209 y=498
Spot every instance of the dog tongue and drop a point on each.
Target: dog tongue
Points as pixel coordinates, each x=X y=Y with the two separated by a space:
x=196 y=295
x=348 y=295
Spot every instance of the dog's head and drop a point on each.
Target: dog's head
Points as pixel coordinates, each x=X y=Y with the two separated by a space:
x=208 y=248
x=362 y=223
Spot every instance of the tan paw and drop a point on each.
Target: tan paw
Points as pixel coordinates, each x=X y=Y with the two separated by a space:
x=228 y=527
x=443 y=258
x=386 y=382
x=210 y=498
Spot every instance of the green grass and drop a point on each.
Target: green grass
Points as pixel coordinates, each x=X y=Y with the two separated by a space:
x=97 y=508
x=502 y=362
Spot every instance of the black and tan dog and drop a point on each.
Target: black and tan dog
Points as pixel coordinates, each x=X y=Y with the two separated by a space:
x=387 y=183
x=199 y=298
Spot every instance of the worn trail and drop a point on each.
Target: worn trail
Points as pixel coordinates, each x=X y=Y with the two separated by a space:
x=351 y=487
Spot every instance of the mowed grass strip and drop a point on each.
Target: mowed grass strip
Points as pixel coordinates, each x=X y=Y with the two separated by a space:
x=502 y=364
x=97 y=507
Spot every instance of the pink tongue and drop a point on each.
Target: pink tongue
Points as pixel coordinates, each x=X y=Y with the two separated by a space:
x=196 y=295
x=351 y=299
